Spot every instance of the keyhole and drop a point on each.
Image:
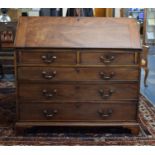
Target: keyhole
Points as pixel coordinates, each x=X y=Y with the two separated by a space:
x=77 y=70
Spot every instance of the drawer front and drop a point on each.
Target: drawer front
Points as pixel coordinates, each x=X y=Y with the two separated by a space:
x=109 y=58
x=77 y=74
x=48 y=58
x=77 y=112
x=7 y=61
x=78 y=92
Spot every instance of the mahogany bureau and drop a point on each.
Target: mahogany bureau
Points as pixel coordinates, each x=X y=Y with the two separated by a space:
x=77 y=72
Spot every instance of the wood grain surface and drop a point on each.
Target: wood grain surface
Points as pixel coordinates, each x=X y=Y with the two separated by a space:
x=79 y=32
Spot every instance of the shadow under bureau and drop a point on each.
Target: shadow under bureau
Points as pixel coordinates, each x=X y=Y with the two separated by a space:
x=77 y=72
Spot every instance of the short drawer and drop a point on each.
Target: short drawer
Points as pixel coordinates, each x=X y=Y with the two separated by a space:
x=77 y=112
x=107 y=58
x=78 y=92
x=77 y=74
x=47 y=57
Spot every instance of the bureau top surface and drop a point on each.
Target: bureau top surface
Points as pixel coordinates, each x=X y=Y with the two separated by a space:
x=77 y=32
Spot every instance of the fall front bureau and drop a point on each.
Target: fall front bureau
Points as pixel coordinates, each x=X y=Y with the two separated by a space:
x=74 y=72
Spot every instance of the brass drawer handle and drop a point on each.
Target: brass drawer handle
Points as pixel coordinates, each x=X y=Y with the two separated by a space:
x=6 y=36
x=48 y=58
x=49 y=75
x=50 y=114
x=106 y=94
x=48 y=94
x=104 y=76
x=107 y=59
x=105 y=113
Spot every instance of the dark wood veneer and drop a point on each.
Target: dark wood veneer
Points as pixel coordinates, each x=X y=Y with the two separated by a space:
x=77 y=72
x=49 y=74
x=86 y=92
x=77 y=112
